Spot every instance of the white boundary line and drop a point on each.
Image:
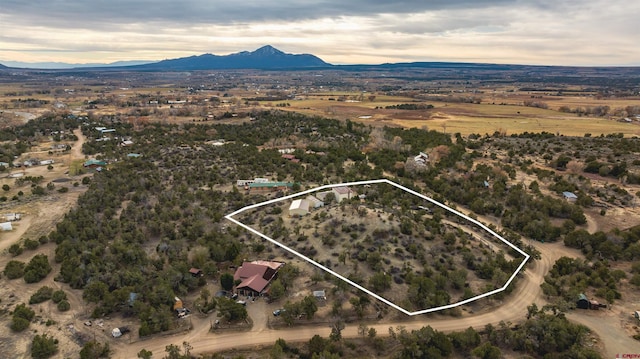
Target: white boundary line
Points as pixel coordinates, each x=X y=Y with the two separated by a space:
x=356 y=285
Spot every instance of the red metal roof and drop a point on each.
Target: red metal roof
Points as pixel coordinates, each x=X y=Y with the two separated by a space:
x=256 y=275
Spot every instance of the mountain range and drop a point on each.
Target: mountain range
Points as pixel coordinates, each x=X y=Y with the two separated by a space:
x=65 y=65
x=266 y=57
x=270 y=58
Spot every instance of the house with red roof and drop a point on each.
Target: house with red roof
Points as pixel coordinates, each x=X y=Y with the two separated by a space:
x=255 y=277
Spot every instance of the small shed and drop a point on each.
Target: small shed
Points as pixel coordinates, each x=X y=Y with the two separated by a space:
x=196 y=272
x=569 y=196
x=299 y=207
x=6 y=226
x=12 y=217
x=583 y=302
x=320 y=294
x=314 y=202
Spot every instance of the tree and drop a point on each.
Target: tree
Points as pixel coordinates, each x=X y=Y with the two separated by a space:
x=5 y=187
x=93 y=350
x=226 y=281
x=487 y=351
x=317 y=344
x=95 y=291
x=21 y=318
x=64 y=305
x=173 y=352
x=230 y=310
x=14 y=269
x=16 y=249
x=276 y=290
x=41 y=295
x=380 y=282
x=309 y=306
x=37 y=268
x=58 y=296
x=336 y=330
x=43 y=347
x=145 y=354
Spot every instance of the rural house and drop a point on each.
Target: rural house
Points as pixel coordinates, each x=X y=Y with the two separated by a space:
x=255 y=276
x=342 y=193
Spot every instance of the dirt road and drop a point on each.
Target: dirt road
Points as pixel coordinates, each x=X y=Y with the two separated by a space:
x=513 y=309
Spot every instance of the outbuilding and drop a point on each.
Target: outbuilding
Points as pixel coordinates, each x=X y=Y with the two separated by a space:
x=196 y=272
x=342 y=193
x=583 y=302
x=569 y=196
x=299 y=208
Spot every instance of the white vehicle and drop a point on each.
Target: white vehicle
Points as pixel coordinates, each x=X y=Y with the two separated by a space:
x=118 y=332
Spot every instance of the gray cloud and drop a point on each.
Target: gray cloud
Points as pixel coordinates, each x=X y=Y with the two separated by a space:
x=83 y=13
x=339 y=31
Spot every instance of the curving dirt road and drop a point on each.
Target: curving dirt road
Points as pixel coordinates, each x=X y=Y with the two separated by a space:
x=513 y=309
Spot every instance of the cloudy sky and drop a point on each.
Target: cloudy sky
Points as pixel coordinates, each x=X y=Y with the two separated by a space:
x=546 y=32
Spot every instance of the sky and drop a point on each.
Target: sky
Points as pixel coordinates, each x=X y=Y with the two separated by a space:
x=539 y=32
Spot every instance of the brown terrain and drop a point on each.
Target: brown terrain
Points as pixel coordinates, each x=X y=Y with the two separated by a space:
x=613 y=327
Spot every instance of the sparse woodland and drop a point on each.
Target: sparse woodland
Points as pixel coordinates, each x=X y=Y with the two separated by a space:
x=145 y=221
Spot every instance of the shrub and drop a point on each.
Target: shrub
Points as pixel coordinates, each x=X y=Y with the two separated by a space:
x=37 y=269
x=19 y=324
x=43 y=347
x=30 y=244
x=14 y=269
x=58 y=296
x=16 y=249
x=64 y=305
x=21 y=318
x=43 y=294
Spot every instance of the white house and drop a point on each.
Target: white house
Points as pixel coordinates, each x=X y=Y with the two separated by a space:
x=12 y=217
x=314 y=202
x=421 y=159
x=299 y=207
x=343 y=193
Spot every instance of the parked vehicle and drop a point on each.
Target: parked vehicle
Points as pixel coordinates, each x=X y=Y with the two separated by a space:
x=118 y=332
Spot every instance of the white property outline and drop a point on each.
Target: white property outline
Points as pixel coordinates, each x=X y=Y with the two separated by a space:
x=356 y=285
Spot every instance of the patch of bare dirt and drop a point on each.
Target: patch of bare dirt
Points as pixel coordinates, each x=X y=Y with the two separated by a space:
x=40 y=214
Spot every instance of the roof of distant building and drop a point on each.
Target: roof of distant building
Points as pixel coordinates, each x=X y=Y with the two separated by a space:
x=343 y=190
x=270 y=184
